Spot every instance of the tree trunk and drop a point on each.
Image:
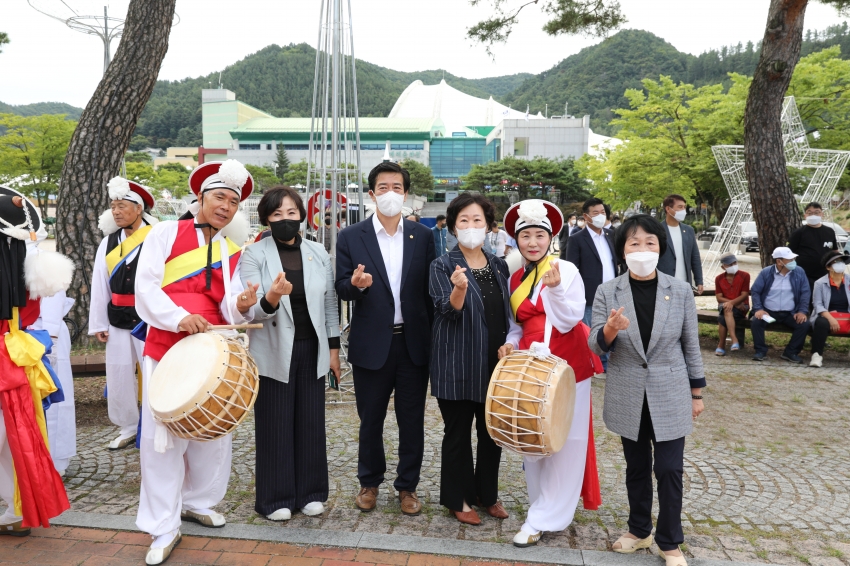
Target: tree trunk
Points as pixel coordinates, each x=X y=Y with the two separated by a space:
x=102 y=137
x=775 y=209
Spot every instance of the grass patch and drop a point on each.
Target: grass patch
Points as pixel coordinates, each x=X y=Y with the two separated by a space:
x=834 y=552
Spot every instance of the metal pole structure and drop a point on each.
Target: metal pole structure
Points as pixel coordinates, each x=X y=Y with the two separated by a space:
x=335 y=163
x=356 y=113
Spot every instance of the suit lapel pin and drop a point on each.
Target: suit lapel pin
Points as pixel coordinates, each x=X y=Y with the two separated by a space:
x=666 y=297
x=411 y=236
x=309 y=258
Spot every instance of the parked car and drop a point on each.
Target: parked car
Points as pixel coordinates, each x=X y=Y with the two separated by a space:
x=841 y=234
x=749 y=237
x=709 y=234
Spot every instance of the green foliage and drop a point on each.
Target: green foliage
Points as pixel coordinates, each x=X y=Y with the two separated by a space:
x=421 y=179
x=264 y=177
x=138 y=143
x=296 y=175
x=32 y=152
x=4 y=39
x=138 y=157
x=528 y=174
x=670 y=128
x=281 y=161
x=39 y=108
x=172 y=177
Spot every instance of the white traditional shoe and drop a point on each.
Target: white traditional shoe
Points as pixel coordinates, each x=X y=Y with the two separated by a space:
x=205 y=517
x=122 y=442
x=628 y=545
x=673 y=560
x=161 y=553
x=817 y=361
x=524 y=539
x=15 y=529
x=313 y=508
x=280 y=515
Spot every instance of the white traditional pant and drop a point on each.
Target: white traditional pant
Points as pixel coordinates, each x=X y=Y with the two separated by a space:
x=122 y=353
x=61 y=417
x=192 y=475
x=554 y=483
x=7 y=475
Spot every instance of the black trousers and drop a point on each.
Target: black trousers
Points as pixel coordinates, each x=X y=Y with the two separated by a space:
x=292 y=460
x=372 y=391
x=669 y=468
x=798 y=335
x=820 y=331
x=463 y=478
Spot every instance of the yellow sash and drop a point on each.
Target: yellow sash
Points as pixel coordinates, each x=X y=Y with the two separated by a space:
x=193 y=262
x=26 y=352
x=115 y=257
x=524 y=289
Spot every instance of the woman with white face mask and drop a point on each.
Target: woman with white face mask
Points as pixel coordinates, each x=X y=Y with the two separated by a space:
x=548 y=291
x=472 y=330
x=831 y=303
x=647 y=320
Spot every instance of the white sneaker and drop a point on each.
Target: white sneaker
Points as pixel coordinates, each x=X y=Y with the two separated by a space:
x=817 y=361
x=523 y=538
x=280 y=515
x=162 y=547
x=313 y=508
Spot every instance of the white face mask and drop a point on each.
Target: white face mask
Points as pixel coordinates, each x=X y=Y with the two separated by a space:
x=838 y=267
x=732 y=269
x=813 y=220
x=599 y=220
x=642 y=264
x=680 y=215
x=389 y=203
x=471 y=238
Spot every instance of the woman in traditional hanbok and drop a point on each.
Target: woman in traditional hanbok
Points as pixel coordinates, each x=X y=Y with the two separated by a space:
x=547 y=291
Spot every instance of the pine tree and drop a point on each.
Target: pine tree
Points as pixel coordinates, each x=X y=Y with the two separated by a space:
x=281 y=162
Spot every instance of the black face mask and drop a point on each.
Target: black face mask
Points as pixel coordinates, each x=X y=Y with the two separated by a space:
x=284 y=230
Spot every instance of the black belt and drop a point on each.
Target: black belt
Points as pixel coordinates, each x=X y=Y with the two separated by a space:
x=398 y=328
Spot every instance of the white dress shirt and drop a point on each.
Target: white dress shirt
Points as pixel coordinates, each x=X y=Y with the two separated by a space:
x=392 y=250
x=676 y=240
x=781 y=294
x=604 y=250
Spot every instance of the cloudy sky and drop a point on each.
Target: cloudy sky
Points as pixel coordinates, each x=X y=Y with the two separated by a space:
x=48 y=62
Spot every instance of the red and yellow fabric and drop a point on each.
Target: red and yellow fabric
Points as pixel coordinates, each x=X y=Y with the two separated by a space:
x=571 y=347
x=24 y=382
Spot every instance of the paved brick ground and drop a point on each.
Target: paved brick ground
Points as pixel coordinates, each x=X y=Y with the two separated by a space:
x=90 y=547
x=766 y=471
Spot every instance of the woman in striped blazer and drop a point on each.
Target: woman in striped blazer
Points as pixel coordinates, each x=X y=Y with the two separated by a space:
x=473 y=328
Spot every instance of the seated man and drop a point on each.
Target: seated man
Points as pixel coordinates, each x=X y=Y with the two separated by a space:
x=781 y=294
x=732 y=290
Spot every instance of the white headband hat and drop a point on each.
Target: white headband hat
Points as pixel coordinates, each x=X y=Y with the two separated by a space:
x=119 y=189
x=231 y=175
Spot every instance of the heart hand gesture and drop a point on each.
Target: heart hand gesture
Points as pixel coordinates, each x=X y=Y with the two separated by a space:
x=459 y=279
x=360 y=278
x=552 y=278
x=617 y=321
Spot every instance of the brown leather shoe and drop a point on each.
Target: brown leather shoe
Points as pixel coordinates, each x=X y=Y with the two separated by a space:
x=496 y=510
x=367 y=499
x=469 y=517
x=410 y=504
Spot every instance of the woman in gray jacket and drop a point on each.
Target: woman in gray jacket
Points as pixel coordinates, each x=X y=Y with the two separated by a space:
x=297 y=345
x=653 y=390
x=831 y=302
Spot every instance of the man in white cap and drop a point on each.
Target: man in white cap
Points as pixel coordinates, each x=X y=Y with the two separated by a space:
x=781 y=294
x=179 y=293
x=112 y=312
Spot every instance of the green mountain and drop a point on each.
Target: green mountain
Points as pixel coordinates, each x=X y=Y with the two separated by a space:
x=39 y=108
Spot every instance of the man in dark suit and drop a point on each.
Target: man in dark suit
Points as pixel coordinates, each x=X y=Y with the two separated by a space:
x=382 y=267
x=592 y=251
x=681 y=260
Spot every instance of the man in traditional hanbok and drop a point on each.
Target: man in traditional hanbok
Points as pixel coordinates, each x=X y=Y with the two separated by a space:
x=29 y=483
x=187 y=280
x=62 y=417
x=547 y=294
x=112 y=312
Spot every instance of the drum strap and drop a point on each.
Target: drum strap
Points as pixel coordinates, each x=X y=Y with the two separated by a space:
x=547 y=332
x=225 y=272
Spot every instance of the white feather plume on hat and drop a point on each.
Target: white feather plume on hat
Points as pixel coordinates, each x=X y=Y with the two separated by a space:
x=118 y=188
x=233 y=173
x=239 y=229
x=46 y=273
x=532 y=212
x=106 y=223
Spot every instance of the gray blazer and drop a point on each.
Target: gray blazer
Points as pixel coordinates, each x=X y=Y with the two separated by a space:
x=664 y=372
x=271 y=346
x=822 y=294
x=690 y=249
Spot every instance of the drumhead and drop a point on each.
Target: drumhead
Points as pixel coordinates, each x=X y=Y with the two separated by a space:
x=186 y=373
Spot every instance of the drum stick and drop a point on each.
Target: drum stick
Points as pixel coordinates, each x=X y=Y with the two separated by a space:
x=234 y=326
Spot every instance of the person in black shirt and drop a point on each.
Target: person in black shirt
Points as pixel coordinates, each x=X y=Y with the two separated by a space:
x=811 y=242
x=293 y=351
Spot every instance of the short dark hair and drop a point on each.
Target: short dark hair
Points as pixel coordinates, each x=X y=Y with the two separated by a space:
x=466 y=199
x=441 y=217
x=670 y=200
x=593 y=201
x=607 y=211
x=572 y=215
x=813 y=204
x=631 y=224
x=273 y=198
x=388 y=167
